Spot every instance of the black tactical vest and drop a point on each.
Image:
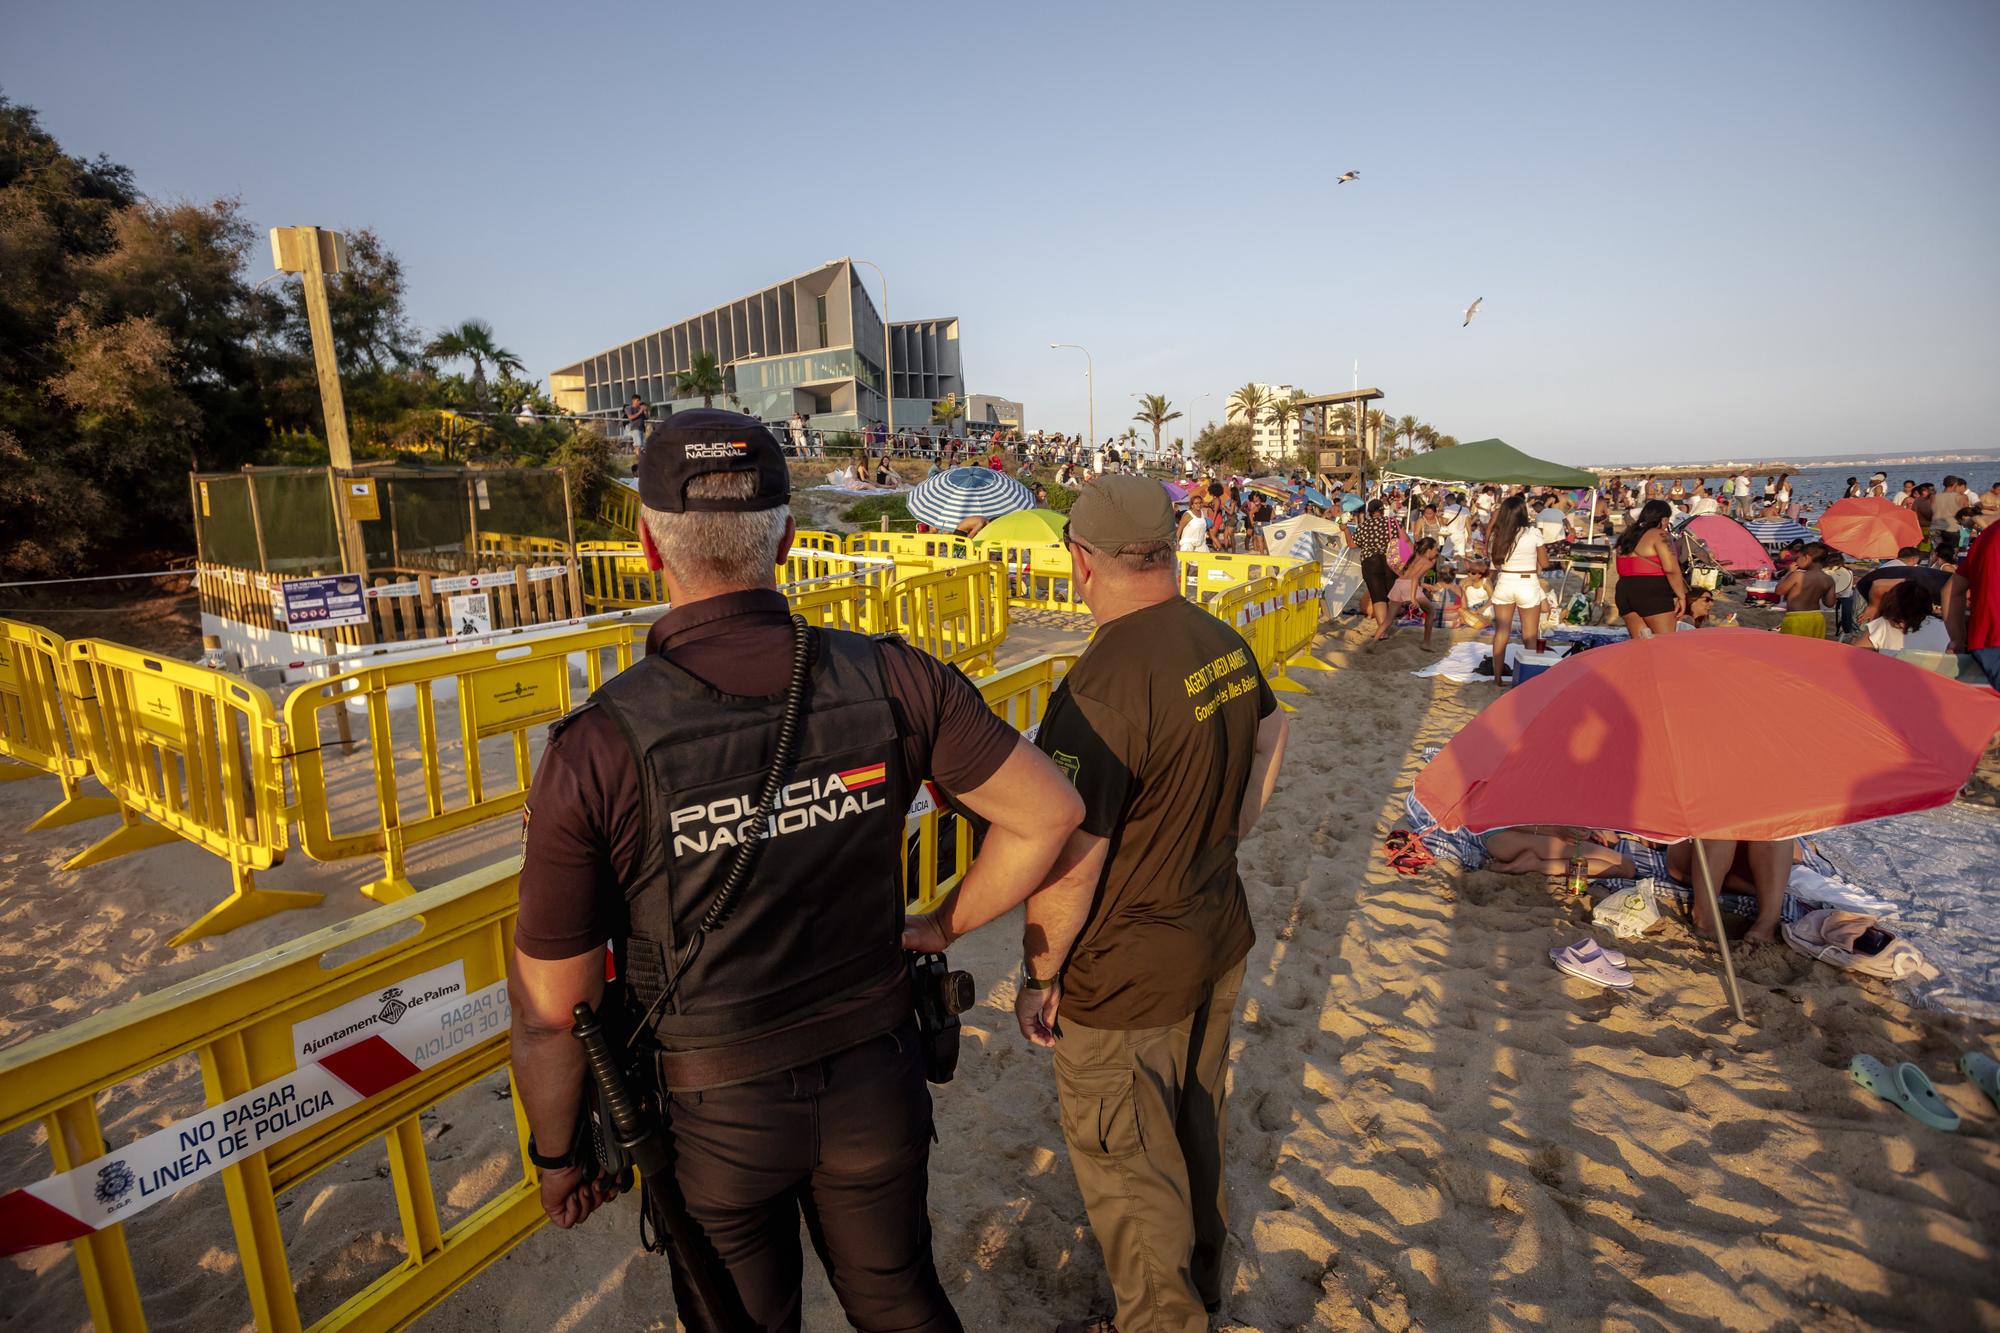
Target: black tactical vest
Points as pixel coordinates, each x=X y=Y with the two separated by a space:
x=820 y=918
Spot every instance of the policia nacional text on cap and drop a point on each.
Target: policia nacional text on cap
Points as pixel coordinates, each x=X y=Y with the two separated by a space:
x=727 y=815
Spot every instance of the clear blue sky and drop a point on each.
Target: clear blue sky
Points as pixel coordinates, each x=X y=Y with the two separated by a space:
x=1698 y=228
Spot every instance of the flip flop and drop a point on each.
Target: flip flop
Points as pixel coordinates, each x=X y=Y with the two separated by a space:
x=1612 y=956
x=1984 y=1071
x=1905 y=1086
x=1588 y=963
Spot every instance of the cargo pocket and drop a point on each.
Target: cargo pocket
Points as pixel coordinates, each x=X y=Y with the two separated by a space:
x=1099 y=1114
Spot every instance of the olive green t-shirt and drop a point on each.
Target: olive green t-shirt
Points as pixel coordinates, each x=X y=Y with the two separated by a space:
x=1156 y=724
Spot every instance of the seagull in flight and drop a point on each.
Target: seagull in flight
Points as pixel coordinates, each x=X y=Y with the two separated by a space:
x=1347 y=176
x=1470 y=311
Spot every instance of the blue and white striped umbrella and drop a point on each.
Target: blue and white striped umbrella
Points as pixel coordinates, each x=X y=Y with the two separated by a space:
x=951 y=497
x=1778 y=531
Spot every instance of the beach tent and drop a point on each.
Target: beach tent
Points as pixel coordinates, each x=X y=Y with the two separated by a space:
x=1730 y=543
x=1490 y=461
x=1025 y=527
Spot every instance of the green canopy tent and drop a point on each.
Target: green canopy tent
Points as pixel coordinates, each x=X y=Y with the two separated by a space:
x=1490 y=461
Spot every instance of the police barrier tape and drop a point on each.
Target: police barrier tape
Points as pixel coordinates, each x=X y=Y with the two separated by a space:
x=304 y=1060
x=195 y=752
x=38 y=722
x=500 y=694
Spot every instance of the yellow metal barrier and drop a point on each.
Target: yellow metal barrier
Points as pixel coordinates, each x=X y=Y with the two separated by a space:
x=501 y=693
x=615 y=577
x=957 y=614
x=1204 y=574
x=1303 y=611
x=1256 y=611
x=239 y=1021
x=1038 y=576
x=540 y=550
x=38 y=726
x=811 y=539
x=854 y=606
x=914 y=552
x=192 y=750
x=619 y=507
x=939 y=842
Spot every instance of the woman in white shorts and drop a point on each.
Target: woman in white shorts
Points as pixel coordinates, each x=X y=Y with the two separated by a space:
x=1516 y=550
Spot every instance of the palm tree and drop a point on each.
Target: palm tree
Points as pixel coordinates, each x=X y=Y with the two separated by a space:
x=1444 y=441
x=1406 y=432
x=473 y=341
x=1249 y=401
x=946 y=410
x=702 y=377
x=1285 y=411
x=1427 y=436
x=1153 y=411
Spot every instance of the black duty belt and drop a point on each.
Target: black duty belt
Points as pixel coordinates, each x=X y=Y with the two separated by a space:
x=813 y=1039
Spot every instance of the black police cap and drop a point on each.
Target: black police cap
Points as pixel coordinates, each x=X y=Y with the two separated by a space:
x=702 y=440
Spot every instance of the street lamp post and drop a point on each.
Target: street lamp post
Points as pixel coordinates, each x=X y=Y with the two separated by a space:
x=1089 y=387
x=1190 y=415
x=888 y=371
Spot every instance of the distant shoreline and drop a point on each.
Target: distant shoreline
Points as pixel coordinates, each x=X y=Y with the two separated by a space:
x=1975 y=458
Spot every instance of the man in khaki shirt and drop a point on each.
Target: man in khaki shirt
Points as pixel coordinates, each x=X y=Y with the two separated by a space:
x=1133 y=949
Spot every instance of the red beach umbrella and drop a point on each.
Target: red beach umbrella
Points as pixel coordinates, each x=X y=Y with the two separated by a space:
x=1617 y=740
x=1870 y=528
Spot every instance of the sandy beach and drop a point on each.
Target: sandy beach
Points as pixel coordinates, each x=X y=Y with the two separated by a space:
x=1430 y=1126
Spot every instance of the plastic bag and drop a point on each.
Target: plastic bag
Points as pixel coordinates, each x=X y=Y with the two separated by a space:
x=1628 y=913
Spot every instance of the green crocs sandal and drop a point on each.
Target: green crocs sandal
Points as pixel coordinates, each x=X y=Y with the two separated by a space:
x=1907 y=1087
x=1984 y=1071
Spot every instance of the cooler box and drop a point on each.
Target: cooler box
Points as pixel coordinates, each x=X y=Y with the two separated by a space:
x=1761 y=590
x=1530 y=665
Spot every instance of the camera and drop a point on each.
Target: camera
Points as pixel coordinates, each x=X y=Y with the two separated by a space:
x=940 y=995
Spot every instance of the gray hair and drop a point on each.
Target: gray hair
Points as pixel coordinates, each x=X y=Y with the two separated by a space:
x=708 y=548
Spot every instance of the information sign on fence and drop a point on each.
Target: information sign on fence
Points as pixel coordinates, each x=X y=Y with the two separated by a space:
x=471 y=613
x=324 y=603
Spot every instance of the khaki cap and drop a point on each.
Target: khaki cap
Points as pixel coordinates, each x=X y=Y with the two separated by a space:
x=1120 y=511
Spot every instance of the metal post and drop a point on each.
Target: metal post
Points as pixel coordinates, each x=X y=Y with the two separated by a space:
x=1706 y=883
x=888 y=369
x=1089 y=389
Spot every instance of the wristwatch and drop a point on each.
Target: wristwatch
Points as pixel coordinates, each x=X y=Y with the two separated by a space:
x=561 y=1162
x=1029 y=981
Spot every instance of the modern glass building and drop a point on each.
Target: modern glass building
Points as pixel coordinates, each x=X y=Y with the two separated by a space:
x=810 y=344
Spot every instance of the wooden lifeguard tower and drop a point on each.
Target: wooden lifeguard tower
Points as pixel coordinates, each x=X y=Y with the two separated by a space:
x=1344 y=454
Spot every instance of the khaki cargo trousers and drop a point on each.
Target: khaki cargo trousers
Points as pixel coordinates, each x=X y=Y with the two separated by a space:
x=1142 y=1112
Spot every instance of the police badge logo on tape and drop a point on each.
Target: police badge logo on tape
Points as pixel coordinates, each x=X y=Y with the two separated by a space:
x=114 y=1181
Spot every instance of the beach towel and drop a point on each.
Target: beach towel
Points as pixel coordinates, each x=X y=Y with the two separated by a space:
x=1461 y=664
x=1853 y=942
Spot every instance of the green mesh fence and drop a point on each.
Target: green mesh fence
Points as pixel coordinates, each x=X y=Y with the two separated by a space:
x=296 y=512
x=449 y=521
x=224 y=530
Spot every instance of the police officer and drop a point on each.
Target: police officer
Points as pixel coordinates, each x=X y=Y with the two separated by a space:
x=784 y=1035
